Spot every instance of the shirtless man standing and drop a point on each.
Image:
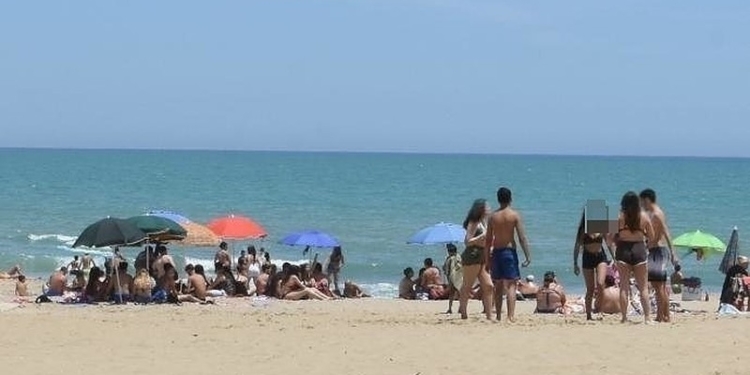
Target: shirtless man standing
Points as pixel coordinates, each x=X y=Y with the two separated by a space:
x=659 y=253
x=503 y=227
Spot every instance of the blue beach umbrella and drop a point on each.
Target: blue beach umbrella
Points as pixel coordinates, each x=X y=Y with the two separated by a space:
x=441 y=233
x=312 y=238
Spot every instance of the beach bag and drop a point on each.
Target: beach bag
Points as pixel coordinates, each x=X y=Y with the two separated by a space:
x=42 y=299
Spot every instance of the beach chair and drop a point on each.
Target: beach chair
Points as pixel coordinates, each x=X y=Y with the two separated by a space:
x=693 y=290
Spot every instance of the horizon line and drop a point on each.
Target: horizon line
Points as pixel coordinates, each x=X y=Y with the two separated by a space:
x=372 y=152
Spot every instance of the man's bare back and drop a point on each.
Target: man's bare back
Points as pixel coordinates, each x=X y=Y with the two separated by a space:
x=503 y=226
x=198 y=286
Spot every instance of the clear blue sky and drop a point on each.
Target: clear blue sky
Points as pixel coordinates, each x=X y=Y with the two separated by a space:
x=581 y=77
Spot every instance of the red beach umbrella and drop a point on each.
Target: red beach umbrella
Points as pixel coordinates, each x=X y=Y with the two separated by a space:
x=237 y=228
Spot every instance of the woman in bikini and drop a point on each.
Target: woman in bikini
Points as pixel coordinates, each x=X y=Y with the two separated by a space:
x=293 y=289
x=142 y=287
x=472 y=258
x=594 y=261
x=550 y=299
x=634 y=230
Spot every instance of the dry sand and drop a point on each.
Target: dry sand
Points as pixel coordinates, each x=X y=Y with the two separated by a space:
x=355 y=337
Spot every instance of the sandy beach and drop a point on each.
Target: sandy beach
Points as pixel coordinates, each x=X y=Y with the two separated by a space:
x=371 y=336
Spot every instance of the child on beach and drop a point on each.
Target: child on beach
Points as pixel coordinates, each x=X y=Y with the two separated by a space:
x=21 y=292
x=453 y=274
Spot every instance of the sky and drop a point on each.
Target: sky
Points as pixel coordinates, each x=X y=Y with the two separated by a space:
x=468 y=76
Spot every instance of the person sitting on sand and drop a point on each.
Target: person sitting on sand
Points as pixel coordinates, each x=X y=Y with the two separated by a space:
x=320 y=280
x=676 y=279
x=222 y=258
x=432 y=282
x=608 y=299
x=22 y=291
x=528 y=289
x=293 y=289
x=96 y=288
x=352 y=290
x=163 y=258
x=196 y=287
x=120 y=293
x=261 y=283
x=551 y=297
x=732 y=292
x=142 y=287
x=79 y=284
x=406 y=286
x=56 y=284
x=13 y=273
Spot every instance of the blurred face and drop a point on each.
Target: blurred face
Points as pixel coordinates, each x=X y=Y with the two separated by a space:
x=487 y=209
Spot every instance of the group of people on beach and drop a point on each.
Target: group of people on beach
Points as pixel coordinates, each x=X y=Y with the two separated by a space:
x=640 y=252
x=156 y=279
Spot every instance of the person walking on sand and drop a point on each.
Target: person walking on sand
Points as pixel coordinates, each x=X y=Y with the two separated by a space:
x=334 y=264
x=502 y=228
x=473 y=259
x=659 y=253
x=594 y=261
x=634 y=231
x=453 y=275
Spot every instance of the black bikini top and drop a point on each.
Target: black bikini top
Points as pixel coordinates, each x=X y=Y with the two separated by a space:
x=589 y=239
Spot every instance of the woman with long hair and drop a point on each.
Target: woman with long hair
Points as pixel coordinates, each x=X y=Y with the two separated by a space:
x=634 y=231
x=593 y=261
x=472 y=258
x=293 y=289
x=335 y=263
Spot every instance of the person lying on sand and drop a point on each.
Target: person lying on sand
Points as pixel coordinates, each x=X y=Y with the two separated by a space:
x=608 y=299
x=13 y=273
x=352 y=290
x=527 y=289
x=551 y=297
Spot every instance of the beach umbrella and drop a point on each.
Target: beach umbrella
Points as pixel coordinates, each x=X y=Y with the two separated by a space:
x=110 y=232
x=699 y=240
x=311 y=238
x=234 y=227
x=159 y=228
x=441 y=233
x=730 y=256
x=197 y=235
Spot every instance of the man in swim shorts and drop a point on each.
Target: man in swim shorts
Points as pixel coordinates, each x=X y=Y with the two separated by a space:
x=659 y=254
x=503 y=227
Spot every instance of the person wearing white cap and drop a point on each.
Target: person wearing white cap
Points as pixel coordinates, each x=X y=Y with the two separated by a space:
x=528 y=289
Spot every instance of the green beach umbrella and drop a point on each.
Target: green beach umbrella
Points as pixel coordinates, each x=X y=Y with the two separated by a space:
x=110 y=232
x=159 y=228
x=700 y=241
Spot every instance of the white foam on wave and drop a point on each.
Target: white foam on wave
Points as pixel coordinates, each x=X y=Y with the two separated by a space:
x=86 y=250
x=68 y=240
x=380 y=290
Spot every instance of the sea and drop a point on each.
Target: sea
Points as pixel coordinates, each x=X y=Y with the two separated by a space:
x=371 y=202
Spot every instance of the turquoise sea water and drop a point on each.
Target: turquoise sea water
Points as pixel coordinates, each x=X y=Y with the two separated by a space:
x=371 y=202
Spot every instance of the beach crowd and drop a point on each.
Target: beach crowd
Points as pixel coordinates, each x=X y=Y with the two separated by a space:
x=625 y=271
